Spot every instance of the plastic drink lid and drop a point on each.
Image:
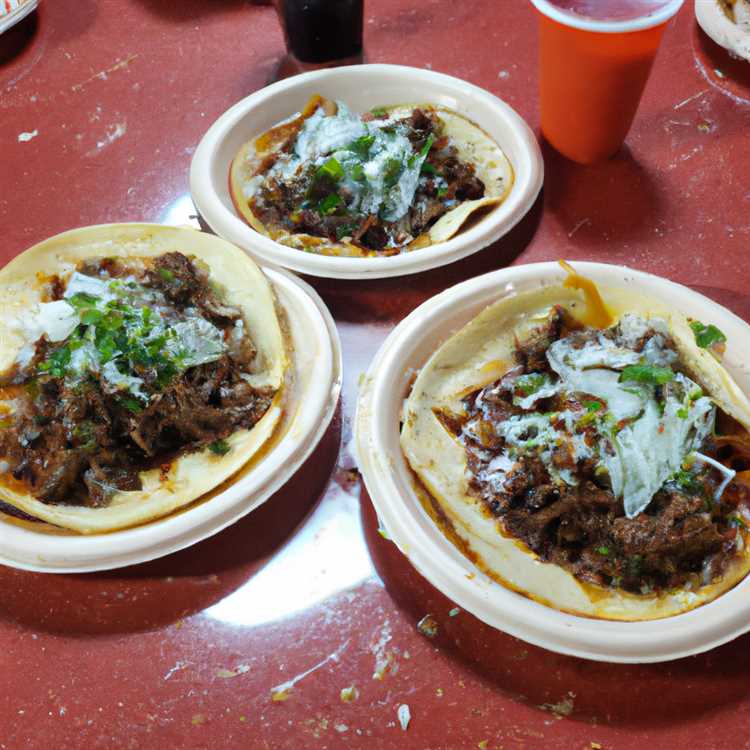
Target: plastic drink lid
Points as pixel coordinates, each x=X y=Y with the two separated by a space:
x=609 y=16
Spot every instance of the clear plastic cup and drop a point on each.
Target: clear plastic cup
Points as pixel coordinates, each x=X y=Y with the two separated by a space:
x=595 y=57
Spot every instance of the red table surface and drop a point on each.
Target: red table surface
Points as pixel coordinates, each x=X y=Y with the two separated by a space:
x=112 y=98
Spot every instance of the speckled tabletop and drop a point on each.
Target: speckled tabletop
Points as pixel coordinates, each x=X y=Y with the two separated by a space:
x=101 y=106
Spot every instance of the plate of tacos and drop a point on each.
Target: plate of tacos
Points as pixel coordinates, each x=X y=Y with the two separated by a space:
x=344 y=173
x=566 y=455
x=154 y=387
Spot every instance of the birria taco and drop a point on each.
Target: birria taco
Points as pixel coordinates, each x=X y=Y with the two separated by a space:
x=333 y=182
x=587 y=450
x=142 y=366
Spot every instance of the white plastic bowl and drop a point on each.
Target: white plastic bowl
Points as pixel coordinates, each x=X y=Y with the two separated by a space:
x=363 y=87
x=316 y=386
x=7 y=20
x=389 y=483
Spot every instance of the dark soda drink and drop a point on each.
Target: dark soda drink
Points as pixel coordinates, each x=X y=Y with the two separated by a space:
x=320 y=31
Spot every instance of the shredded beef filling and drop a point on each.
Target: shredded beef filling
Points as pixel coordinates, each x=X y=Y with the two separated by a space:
x=683 y=534
x=295 y=205
x=76 y=440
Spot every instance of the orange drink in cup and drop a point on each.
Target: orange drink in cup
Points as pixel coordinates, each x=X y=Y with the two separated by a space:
x=594 y=60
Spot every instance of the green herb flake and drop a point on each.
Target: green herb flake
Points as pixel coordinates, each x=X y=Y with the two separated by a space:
x=442 y=192
x=530 y=383
x=651 y=374
x=82 y=300
x=57 y=363
x=331 y=169
x=707 y=335
x=392 y=172
x=166 y=274
x=219 y=447
x=131 y=404
x=427 y=168
x=91 y=316
x=603 y=550
x=379 y=112
x=362 y=145
x=329 y=204
x=683 y=413
x=345 y=230
x=593 y=406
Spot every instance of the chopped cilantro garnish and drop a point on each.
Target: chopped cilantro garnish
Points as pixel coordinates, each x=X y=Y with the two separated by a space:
x=427 y=146
x=219 y=447
x=362 y=145
x=357 y=172
x=442 y=192
x=530 y=383
x=683 y=413
x=345 y=230
x=379 y=111
x=329 y=204
x=331 y=169
x=57 y=362
x=82 y=300
x=131 y=404
x=593 y=406
x=603 y=550
x=651 y=374
x=707 y=335
x=423 y=151
x=687 y=482
x=427 y=168
x=166 y=274
x=91 y=316
x=392 y=172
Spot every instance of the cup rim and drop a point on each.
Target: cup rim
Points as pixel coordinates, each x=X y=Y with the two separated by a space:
x=571 y=20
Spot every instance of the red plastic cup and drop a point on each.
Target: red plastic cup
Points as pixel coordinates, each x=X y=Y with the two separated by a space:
x=595 y=57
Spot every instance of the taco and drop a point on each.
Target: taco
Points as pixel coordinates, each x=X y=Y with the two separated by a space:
x=394 y=179
x=582 y=449
x=142 y=366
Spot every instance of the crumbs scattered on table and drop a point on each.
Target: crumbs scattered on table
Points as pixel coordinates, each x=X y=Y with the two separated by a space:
x=341 y=728
x=102 y=75
x=562 y=708
x=455 y=611
x=482 y=744
x=404 y=716
x=113 y=133
x=439 y=692
x=385 y=659
x=281 y=692
x=27 y=136
x=349 y=694
x=198 y=719
x=596 y=746
x=229 y=673
x=428 y=626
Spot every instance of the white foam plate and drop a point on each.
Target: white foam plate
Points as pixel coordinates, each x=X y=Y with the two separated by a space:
x=389 y=483
x=316 y=362
x=363 y=87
